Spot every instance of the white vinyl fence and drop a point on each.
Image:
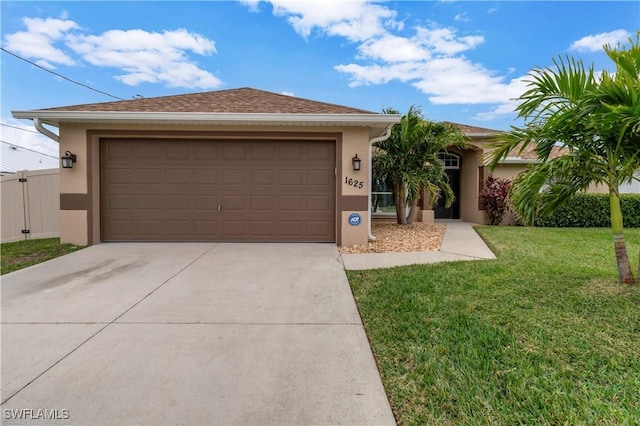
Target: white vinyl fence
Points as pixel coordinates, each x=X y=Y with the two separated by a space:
x=30 y=205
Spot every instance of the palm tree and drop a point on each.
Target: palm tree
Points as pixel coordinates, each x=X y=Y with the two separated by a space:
x=597 y=119
x=409 y=160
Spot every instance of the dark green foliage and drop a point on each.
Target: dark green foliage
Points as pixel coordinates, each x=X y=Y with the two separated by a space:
x=593 y=211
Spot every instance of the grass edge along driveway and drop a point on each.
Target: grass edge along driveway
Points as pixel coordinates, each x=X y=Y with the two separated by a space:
x=20 y=254
x=545 y=334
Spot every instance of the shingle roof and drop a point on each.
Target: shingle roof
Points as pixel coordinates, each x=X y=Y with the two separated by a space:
x=243 y=100
x=473 y=129
x=530 y=154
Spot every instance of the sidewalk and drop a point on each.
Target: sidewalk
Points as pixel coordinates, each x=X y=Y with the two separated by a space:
x=460 y=242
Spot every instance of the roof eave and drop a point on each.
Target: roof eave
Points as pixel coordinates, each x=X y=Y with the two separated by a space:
x=519 y=161
x=57 y=117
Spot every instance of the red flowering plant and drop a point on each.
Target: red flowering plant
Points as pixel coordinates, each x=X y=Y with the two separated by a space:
x=494 y=199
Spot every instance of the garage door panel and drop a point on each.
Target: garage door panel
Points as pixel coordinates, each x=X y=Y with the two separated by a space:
x=234 y=151
x=290 y=203
x=233 y=228
x=205 y=203
x=320 y=153
x=291 y=177
x=178 y=227
x=263 y=203
x=260 y=151
x=149 y=176
x=205 y=152
x=120 y=176
x=262 y=177
x=234 y=176
x=179 y=176
x=148 y=228
x=262 y=228
x=180 y=190
x=318 y=228
x=205 y=176
x=204 y=228
x=321 y=178
x=147 y=202
x=234 y=202
x=179 y=202
x=321 y=203
x=117 y=151
x=148 y=150
x=290 y=228
x=290 y=152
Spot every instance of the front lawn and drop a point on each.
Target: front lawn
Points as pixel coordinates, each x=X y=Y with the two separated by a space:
x=542 y=335
x=21 y=254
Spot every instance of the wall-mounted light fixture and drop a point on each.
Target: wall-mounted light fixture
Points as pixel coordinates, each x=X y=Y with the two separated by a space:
x=67 y=160
x=355 y=162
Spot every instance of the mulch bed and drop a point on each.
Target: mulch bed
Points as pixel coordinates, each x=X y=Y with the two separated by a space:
x=391 y=237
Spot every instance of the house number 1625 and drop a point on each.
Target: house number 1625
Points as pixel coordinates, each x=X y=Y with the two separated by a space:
x=354 y=182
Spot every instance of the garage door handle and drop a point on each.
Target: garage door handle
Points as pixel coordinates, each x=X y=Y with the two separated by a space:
x=219 y=208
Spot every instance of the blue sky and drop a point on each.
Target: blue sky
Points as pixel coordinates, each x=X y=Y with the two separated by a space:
x=460 y=61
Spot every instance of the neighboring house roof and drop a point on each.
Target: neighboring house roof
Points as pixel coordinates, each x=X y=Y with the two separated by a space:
x=244 y=106
x=474 y=131
x=16 y=158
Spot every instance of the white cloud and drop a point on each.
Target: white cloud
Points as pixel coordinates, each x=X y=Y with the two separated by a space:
x=445 y=40
x=38 y=41
x=594 y=43
x=26 y=136
x=355 y=20
x=288 y=93
x=391 y=48
x=142 y=56
x=431 y=59
x=148 y=56
x=462 y=17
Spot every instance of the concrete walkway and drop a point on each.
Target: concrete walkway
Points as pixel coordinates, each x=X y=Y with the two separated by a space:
x=460 y=242
x=187 y=333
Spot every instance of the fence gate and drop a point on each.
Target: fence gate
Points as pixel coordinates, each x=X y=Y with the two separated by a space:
x=30 y=205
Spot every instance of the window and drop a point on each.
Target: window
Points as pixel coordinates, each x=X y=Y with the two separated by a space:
x=449 y=160
x=382 y=197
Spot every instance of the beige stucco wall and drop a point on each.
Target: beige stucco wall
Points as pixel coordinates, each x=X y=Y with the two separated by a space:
x=74 y=139
x=76 y=224
x=73 y=227
x=469 y=178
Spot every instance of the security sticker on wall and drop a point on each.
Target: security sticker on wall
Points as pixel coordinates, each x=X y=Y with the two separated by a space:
x=354 y=219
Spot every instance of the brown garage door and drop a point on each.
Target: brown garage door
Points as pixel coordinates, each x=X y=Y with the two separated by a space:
x=217 y=190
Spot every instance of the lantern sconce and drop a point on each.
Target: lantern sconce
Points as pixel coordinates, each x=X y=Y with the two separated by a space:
x=67 y=160
x=355 y=162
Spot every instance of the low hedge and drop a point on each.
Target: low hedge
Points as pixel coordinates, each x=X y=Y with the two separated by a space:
x=592 y=211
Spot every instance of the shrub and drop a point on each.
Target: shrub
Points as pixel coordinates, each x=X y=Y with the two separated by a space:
x=593 y=211
x=494 y=199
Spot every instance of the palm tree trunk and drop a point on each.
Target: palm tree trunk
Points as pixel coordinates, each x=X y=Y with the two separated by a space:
x=413 y=212
x=400 y=203
x=624 y=267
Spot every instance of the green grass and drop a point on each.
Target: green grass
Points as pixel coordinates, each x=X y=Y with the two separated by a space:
x=21 y=254
x=545 y=334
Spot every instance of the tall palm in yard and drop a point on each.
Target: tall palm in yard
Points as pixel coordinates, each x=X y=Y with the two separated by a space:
x=597 y=118
x=409 y=160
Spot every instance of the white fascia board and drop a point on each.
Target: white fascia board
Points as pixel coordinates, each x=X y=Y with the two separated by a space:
x=481 y=135
x=512 y=160
x=56 y=117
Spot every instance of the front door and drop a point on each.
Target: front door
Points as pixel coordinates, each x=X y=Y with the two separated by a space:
x=453 y=212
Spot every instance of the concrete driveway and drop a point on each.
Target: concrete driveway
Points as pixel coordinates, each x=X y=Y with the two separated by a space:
x=187 y=333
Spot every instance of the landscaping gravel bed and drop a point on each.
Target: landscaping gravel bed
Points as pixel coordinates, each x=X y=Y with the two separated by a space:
x=391 y=237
